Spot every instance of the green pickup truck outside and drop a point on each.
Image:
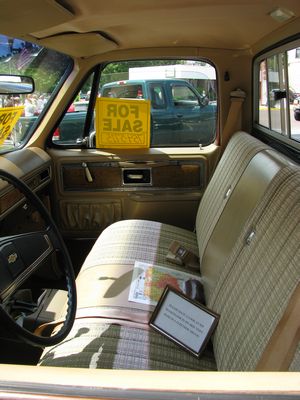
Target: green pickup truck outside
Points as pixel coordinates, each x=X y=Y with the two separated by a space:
x=179 y=114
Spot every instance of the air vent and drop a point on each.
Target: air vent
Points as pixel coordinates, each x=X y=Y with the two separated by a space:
x=39 y=179
x=45 y=175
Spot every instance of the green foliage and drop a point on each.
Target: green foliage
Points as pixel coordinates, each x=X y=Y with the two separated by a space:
x=46 y=68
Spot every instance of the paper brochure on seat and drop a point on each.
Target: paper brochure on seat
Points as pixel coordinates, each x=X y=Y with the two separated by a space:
x=149 y=281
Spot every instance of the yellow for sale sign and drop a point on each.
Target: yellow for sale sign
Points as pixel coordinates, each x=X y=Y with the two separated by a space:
x=122 y=123
x=8 y=118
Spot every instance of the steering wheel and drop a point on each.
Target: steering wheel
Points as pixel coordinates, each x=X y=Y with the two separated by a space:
x=23 y=254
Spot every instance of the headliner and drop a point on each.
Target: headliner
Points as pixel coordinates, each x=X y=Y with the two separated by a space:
x=84 y=28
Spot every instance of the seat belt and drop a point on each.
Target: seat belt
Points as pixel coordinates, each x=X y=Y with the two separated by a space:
x=113 y=315
x=282 y=345
x=234 y=118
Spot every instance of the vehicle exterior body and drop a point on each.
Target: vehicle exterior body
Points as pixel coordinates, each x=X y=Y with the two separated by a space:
x=217 y=199
x=69 y=131
x=297 y=108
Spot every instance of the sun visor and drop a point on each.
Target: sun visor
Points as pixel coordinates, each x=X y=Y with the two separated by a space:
x=80 y=44
x=17 y=16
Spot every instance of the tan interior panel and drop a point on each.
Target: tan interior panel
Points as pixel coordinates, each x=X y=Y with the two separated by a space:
x=100 y=176
x=88 y=215
x=93 y=192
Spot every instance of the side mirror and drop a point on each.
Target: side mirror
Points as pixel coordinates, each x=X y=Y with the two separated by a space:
x=16 y=84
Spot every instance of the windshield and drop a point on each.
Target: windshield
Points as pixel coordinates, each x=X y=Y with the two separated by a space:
x=21 y=113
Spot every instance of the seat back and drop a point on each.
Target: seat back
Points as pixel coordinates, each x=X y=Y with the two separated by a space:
x=295 y=364
x=239 y=204
x=237 y=155
x=259 y=277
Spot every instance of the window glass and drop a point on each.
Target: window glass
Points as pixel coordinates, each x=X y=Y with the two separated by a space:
x=183 y=96
x=71 y=128
x=157 y=96
x=182 y=93
x=20 y=58
x=125 y=91
x=278 y=94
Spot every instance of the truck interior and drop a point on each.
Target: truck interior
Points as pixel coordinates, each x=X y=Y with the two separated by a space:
x=149 y=199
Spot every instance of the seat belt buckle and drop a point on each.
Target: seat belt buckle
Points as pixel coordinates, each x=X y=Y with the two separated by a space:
x=180 y=255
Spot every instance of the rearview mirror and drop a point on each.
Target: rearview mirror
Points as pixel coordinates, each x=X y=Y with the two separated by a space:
x=16 y=84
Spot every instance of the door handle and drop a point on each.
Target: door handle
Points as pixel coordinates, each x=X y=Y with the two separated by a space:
x=87 y=171
x=135 y=176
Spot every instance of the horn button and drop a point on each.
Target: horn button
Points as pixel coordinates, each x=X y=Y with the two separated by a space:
x=11 y=261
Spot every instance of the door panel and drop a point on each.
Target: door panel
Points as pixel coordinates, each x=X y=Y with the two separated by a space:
x=94 y=189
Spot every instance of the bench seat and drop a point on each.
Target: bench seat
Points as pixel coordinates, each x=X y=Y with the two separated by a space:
x=247 y=237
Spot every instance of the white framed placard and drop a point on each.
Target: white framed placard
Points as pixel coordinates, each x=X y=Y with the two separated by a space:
x=184 y=321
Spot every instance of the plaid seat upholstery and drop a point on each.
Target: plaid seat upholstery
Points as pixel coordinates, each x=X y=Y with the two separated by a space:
x=124 y=242
x=259 y=277
x=295 y=364
x=94 y=343
x=239 y=152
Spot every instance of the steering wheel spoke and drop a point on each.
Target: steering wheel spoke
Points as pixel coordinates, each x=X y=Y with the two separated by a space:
x=21 y=255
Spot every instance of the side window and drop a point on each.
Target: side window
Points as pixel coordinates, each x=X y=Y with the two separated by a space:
x=71 y=128
x=157 y=96
x=123 y=91
x=183 y=96
x=169 y=84
x=277 y=94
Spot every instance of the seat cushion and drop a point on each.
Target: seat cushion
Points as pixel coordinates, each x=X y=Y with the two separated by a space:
x=99 y=343
x=103 y=286
x=105 y=277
